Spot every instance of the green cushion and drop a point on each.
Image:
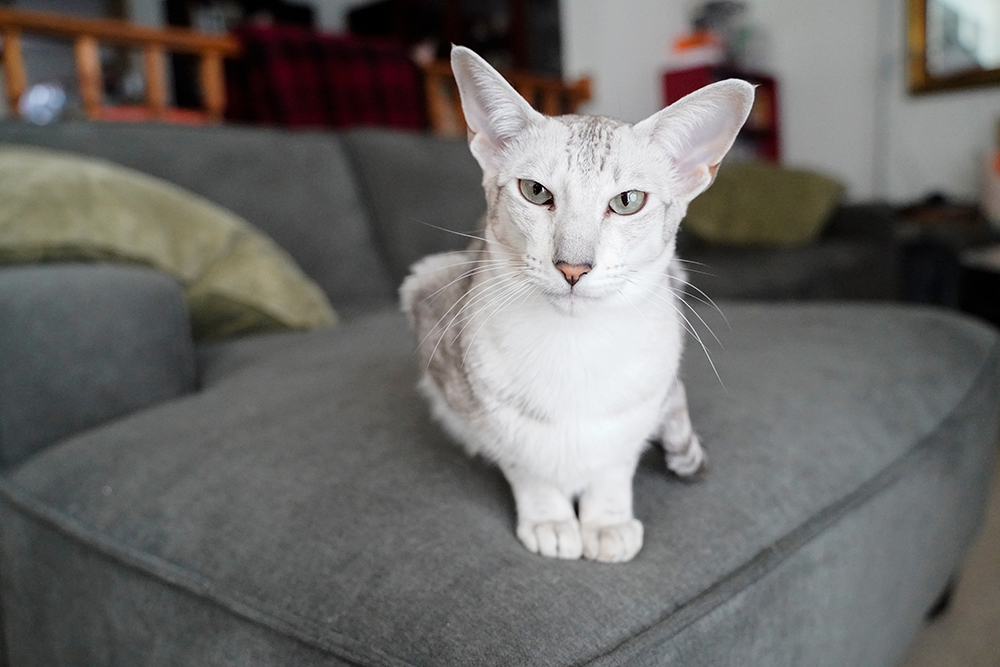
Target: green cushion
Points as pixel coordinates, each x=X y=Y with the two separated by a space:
x=61 y=207
x=759 y=204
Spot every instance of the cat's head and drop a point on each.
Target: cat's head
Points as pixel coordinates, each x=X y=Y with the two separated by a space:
x=584 y=204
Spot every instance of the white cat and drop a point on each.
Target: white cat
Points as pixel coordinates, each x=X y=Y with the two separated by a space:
x=551 y=345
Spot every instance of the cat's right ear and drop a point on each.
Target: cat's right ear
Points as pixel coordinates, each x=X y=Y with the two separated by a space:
x=699 y=129
x=494 y=111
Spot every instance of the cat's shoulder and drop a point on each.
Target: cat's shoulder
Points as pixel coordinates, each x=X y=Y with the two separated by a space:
x=433 y=275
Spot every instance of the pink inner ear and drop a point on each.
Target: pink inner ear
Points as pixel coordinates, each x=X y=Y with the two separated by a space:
x=699 y=129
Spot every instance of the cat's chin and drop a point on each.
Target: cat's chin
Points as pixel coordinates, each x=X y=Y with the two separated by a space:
x=573 y=302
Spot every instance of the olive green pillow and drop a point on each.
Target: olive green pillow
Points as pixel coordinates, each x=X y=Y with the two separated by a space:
x=758 y=204
x=61 y=207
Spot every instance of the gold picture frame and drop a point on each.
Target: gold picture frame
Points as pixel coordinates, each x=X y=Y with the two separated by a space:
x=921 y=80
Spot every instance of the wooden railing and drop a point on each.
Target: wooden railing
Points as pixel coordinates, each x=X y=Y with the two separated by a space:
x=550 y=95
x=86 y=36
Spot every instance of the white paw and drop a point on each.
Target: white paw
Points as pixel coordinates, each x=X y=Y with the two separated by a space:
x=555 y=539
x=690 y=461
x=617 y=543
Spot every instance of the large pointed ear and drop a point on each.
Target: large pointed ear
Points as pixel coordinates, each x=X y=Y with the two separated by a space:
x=699 y=129
x=494 y=111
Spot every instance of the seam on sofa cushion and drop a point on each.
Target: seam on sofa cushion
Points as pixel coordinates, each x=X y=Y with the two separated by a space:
x=769 y=558
x=291 y=624
x=279 y=620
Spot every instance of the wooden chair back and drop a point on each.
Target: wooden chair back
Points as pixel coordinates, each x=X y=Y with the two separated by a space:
x=86 y=36
x=550 y=95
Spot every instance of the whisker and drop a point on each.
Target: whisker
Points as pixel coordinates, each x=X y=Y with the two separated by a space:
x=689 y=261
x=690 y=328
x=468 y=236
x=496 y=295
x=703 y=298
x=481 y=287
x=685 y=323
x=636 y=309
x=485 y=290
x=482 y=267
x=506 y=302
x=667 y=273
x=682 y=296
x=693 y=310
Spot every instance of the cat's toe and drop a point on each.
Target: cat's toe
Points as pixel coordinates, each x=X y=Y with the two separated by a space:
x=690 y=462
x=555 y=539
x=616 y=543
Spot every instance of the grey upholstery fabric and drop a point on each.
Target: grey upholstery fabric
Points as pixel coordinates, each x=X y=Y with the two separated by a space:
x=295 y=186
x=304 y=510
x=85 y=344
x=856 y=257
x=411 y=179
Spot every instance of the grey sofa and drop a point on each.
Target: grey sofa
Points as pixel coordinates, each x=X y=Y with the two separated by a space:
x=285 y=499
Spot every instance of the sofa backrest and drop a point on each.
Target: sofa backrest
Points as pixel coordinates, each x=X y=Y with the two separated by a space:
x=415 y=186
x=298 y=187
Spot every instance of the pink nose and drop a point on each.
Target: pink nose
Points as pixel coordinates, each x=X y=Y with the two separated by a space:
x=573 y=272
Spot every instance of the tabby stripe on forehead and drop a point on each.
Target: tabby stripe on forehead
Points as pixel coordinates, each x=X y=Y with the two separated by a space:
x=590 y=143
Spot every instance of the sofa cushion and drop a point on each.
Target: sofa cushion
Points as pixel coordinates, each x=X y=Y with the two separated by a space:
x=424 y=193
x=81 y=345
x=57 y=206
x=759 y=204
x=304 y=510
x=297 y=187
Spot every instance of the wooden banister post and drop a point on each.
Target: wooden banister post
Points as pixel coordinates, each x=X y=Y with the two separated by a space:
x=552 y=101
x=155 y=62
x=13 y=68
x=88 y=67
x=213 y=85
x=439 y=99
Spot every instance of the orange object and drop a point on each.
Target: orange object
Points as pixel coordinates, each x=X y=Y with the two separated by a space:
x=695 y=40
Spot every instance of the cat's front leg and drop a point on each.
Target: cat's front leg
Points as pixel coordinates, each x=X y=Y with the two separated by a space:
x=546 y=521
x=610 y=533
x=685 y=455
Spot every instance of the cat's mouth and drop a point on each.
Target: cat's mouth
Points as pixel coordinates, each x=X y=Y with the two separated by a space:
x=570 y=298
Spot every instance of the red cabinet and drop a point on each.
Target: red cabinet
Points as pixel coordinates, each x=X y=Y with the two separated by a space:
x=760 y=137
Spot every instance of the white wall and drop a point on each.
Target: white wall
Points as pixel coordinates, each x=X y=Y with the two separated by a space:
x=621 y=45
x=841 y=67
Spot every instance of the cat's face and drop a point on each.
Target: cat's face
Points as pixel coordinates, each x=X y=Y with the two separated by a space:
x=583 y=192
x=581 y=205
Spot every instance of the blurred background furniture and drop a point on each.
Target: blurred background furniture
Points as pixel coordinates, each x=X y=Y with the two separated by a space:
x=87 y=35
x=284 y=73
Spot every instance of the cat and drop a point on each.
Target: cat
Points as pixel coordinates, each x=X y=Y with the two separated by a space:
x=551 y=345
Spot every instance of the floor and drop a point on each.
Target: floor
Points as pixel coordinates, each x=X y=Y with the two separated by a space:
x=968 y=634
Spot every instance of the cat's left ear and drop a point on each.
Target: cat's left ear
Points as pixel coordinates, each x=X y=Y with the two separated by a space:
x=494 y=111
x=699 y=129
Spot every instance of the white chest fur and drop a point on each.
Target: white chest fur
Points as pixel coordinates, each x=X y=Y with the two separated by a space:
x=568 y=394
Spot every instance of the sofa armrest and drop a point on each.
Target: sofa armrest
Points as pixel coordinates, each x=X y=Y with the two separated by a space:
x=85 y=344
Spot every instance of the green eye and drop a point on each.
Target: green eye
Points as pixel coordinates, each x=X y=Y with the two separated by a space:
x=628 y=202
x=535 y=192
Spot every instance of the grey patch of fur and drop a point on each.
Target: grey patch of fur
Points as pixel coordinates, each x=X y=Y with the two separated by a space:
x=591 y=142
x=441 y=351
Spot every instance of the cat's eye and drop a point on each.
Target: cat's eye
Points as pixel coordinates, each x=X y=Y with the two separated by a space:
x=627 y=203
x=535 y=192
